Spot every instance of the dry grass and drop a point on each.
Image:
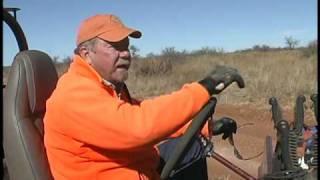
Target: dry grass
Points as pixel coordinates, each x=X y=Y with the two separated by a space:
x=283 y=74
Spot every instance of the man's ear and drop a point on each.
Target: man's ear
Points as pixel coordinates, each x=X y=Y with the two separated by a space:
x=83 y=52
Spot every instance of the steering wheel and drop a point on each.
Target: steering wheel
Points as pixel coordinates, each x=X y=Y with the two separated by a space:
x=188 y=138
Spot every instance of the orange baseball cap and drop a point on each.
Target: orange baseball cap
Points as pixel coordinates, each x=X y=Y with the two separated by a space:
x=105 y=26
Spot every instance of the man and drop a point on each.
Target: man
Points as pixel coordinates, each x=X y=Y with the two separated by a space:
x=95 y=130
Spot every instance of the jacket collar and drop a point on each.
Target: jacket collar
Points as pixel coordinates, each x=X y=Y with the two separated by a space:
x=82 y=67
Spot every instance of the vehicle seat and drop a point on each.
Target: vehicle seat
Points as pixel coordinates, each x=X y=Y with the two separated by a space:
x=31 y=81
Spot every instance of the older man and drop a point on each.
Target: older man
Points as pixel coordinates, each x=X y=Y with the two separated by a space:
x=95 y=130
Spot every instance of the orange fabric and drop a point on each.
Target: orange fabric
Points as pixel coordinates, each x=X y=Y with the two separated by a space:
x=90 y=133
x=105 y=26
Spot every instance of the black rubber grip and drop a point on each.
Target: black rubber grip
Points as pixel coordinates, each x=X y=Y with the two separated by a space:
x=314 y=98
x=276 y=110
x=299 y=114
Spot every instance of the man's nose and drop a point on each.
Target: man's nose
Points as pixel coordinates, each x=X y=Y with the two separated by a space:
x=125 y=54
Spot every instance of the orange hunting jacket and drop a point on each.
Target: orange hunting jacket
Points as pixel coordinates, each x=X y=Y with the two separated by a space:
x=92 y=133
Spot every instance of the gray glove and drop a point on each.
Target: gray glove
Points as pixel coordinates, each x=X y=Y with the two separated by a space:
x=220 y=78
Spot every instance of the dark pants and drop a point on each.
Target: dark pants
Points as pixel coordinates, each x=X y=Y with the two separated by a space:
x=192 y=166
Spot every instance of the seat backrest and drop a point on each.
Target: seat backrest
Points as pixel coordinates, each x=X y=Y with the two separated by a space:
x=31 y=81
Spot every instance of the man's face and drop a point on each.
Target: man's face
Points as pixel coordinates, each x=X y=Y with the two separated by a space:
x=111 y=59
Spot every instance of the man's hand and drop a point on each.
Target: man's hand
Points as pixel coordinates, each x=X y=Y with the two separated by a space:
x=220 y=78
x=225 y=126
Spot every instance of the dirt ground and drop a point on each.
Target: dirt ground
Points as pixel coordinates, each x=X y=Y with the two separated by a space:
x=250 y=139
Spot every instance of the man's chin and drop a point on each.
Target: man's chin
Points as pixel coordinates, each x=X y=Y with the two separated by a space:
x=121 y=78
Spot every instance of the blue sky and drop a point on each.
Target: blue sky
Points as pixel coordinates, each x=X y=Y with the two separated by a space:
x=51 y=25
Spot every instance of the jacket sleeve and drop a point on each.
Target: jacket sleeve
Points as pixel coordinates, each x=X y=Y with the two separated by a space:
x=205 y=130
x=181 y=131
x=95 y=117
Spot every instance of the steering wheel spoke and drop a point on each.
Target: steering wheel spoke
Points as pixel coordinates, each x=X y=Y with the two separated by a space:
x=188 y=138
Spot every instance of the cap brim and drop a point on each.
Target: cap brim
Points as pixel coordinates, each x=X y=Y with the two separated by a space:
x=119 y=34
